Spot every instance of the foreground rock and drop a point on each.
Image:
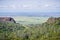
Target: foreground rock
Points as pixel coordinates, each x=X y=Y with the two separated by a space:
x=7 y=19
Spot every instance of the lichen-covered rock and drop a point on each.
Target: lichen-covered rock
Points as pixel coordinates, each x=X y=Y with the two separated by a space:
x=7 y=19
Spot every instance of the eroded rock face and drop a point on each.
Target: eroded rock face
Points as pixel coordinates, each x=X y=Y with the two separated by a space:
x=7 y=19
x=52 y=20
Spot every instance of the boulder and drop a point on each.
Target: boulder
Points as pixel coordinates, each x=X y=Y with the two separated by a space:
x=7 y=19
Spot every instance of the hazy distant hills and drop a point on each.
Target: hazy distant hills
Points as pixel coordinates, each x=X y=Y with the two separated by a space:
x=44 y=14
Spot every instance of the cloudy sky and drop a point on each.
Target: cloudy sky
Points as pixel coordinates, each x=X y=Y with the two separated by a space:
x=29 y=5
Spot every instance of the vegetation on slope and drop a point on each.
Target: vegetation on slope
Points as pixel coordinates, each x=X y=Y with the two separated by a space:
x=14 y=31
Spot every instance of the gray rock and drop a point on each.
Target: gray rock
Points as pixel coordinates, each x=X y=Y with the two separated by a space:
x=7 y=19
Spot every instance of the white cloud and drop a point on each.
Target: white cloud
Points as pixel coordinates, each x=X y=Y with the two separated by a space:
x=12 y=6
x=46 y=5
x=3 y=6
x=41 y=6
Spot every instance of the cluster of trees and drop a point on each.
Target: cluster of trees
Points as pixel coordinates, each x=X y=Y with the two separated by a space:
x=14 y=31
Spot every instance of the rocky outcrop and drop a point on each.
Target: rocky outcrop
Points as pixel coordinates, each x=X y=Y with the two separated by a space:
x=52 y=20
x=7 y=19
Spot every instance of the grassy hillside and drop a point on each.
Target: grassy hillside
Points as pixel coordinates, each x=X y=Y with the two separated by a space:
x=14 y=31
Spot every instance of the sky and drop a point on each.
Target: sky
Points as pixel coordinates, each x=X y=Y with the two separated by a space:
x=29 y=5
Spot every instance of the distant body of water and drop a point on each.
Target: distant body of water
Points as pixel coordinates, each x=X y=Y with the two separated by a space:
x=44 y=14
